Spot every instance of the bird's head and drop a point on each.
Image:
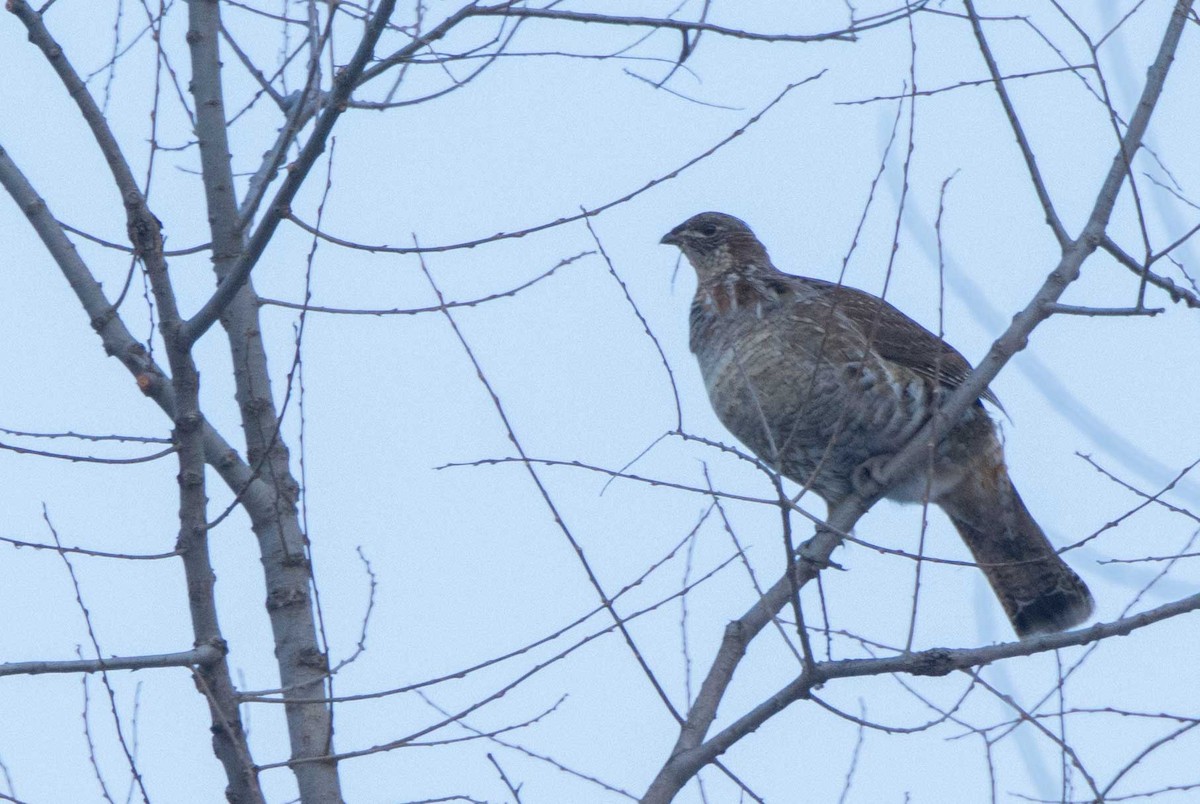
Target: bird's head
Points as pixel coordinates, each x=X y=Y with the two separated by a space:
x=715 y=242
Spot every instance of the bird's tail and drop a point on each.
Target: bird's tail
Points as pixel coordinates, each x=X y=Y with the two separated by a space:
x=1039 y=592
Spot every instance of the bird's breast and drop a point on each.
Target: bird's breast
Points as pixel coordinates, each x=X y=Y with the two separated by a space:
x=798 y=384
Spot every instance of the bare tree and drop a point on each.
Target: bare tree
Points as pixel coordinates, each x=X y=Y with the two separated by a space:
x=243 y=104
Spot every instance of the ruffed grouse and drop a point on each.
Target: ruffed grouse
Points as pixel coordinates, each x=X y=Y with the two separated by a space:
x=824 y=382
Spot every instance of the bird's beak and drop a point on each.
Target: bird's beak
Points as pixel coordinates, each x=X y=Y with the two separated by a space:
x=671 y=238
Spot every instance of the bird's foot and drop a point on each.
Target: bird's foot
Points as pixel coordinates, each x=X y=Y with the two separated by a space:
x=808 y=555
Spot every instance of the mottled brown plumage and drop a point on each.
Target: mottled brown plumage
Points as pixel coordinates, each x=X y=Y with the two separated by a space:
x=824 y=383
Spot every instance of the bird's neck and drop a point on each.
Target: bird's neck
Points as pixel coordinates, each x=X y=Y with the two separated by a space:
x=742 y=282
x=735 y=258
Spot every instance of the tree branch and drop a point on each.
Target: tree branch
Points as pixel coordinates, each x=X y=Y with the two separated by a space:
x=1015 y=338
x=1035 y=175
x=201 y=656
x=932 y=662
x=847 y=34
x=145 y=233
x=300 y=655
x=343 y=85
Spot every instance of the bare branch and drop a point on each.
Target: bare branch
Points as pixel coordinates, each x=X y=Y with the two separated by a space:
x=131 y=194
x=135 y=774
x=343 y=85
x=310 y=308
x=593 y=579
x=87 y=458
x=1174 y=291
x=658 y=23
x=1035 y=174
x=514 y=790
x=924 y=93
x=58 y=548
x=590 y=212
x=1067 y=271
x=201 y=656
x=1055 y=308
x=932 y=662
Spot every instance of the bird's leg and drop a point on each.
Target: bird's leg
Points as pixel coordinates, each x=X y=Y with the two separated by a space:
x=868 y=475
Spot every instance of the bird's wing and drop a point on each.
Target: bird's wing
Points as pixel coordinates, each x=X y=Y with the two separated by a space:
x=898 y=338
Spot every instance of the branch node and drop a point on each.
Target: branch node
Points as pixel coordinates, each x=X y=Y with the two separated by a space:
x=281 y=598
x=933 y=662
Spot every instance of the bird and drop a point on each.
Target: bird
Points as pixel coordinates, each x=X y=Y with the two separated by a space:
x=825 y=382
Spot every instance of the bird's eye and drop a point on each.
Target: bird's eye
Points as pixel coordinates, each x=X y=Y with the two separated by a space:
x=708 y=229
